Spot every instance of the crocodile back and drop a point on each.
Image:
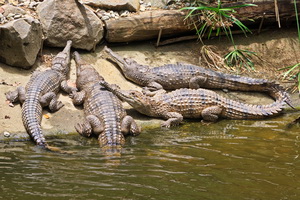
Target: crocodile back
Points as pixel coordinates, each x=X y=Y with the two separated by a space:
x=44 y=82
x=108 y=108
x=173 y=76
x=190 y=103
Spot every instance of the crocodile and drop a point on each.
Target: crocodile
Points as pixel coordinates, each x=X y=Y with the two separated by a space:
x=41 y=91
x=193 y=103
x=179 y=75
x=105 y=116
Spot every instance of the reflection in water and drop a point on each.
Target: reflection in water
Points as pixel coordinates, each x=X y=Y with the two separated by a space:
x=225 y=160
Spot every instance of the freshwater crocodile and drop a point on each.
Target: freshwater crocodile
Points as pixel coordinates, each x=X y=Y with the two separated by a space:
x=41 y=91
x=175 y=76
x=104 y=114
x=193 y=103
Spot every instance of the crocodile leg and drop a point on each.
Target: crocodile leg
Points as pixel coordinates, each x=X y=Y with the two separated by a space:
x=197 y=81
x=128 y=125
x=66 y=88
x=17 y=95
x=211 y=113
x=174 y=119
x=91 y=125
x=50 y=99
x=152 y=89
x=78 y=97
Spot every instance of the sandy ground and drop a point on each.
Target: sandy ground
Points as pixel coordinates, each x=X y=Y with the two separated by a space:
x=275 y=48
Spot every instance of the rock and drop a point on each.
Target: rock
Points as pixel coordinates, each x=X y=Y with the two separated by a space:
x=142 y=8
x=145 y=26
x=105 y=18
x=10 y=15
x=131 y=5
x=69 y=20
x=6 y=134
x=11 y=10
x=155 y=3
x=20 y=42
x=124 y=13
x=17 y=16
x=33 y=4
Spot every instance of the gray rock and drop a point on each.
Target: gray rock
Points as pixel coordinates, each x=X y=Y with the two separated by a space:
x=156 y=3
x=9 y=9
x=131 y=5
x=20 y=42
x=124 y=13
x=105 y=18
x=10 y=15
x=69 y=20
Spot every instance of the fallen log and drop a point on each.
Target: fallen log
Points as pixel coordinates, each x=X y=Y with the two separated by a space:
x=166 y=23
x=146 y=26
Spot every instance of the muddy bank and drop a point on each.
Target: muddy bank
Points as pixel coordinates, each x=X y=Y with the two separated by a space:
x=276 y=49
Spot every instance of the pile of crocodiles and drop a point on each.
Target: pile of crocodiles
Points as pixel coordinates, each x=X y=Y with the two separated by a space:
x=105 y=116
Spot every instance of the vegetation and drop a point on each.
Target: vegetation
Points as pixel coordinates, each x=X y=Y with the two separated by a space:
x=293 y=72
x=209 y=20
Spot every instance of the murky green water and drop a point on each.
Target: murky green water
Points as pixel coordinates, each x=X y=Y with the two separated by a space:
x=225 y=160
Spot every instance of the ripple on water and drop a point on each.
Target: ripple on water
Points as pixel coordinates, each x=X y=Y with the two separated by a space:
x=231 y=159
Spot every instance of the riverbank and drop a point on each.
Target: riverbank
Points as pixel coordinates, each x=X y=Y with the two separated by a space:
x=275 y=48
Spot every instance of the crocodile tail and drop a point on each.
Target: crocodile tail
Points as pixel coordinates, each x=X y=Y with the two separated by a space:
x=31 y=116
x=112 y=139
x=278 y=93
x=238 y=110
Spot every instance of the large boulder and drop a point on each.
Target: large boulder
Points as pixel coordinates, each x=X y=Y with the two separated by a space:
x=20 y=42
x=131 y=5
x=69 y=20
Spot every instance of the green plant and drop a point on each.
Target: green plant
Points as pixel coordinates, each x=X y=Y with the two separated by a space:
x=293 y=72
x=207 y=19
x=241 y=58
x=297 y=19
x=216 y=19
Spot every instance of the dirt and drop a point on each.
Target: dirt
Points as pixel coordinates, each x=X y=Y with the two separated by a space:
x=275 y=48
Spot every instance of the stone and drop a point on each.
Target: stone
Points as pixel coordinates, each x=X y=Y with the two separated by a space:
x=10 y=15
x=156 y=3
x=69 y=20
x=146 y=26
x=6 y=134
x=105 y=18
x=17 y=16
x=11 y=10
x=20 y=42
x=131 y=5
x=124 y=13
x=142 y=8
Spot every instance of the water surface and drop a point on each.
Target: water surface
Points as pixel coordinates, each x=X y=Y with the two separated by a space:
x=225 y=160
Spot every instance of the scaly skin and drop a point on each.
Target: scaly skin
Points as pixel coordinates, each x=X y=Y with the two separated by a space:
x=192 y=103
x=104 y=114
x=175 y=76
x=41 y=91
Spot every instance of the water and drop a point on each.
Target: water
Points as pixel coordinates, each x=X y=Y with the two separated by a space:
x=225 y=160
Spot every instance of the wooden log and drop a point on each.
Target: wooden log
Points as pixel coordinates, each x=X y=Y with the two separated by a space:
x=268 y=8
x=146 y=25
